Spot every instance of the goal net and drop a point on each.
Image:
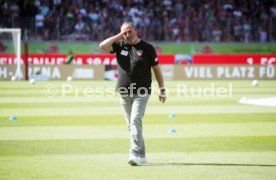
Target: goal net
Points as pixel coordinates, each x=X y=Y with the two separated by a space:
x=10 y=48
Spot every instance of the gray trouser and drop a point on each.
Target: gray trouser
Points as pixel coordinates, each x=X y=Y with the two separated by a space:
x=134 y=108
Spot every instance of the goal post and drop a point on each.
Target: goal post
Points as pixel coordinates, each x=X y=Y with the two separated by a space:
x=10 y=43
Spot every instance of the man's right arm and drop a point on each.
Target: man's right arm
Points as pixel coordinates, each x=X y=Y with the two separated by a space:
x=107 y=43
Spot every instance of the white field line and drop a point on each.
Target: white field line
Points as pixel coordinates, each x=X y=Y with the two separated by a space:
x=239 y=158
x=113 y=110
x=60 y=99
x=150 y=131
x=169 y=90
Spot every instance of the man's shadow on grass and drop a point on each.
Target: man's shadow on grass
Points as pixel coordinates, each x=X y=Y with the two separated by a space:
x=209 y=164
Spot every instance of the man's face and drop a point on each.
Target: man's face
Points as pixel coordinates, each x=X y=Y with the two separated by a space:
x=129 y=32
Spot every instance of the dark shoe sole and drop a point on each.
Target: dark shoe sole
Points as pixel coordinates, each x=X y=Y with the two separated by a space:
x=132 y=163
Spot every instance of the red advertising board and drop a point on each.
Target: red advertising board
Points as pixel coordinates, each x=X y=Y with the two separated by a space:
x=109 y=59
x=80 y=59
x=34 y=59
x=234 y=59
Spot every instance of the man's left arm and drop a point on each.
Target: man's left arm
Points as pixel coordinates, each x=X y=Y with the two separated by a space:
x=160 y=80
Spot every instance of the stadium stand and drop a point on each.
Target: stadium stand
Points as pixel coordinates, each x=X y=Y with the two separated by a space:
x=157 y=20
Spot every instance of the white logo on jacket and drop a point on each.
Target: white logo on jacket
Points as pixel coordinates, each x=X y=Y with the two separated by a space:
x=139 y=52
x=124 y=53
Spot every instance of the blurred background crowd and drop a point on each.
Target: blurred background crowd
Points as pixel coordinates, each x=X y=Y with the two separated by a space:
x=156 y=20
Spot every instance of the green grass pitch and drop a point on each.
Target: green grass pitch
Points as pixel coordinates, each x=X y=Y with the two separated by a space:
x=81 y=135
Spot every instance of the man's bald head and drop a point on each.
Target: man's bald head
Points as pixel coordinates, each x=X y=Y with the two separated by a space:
x=129 y=32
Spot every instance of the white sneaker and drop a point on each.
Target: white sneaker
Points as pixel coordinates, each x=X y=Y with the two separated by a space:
x=136 y=160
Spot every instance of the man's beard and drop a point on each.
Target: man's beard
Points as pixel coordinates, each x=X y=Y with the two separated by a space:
x=130 y=40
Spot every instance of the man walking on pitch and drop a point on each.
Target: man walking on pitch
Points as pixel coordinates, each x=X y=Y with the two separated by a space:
x=135 y=59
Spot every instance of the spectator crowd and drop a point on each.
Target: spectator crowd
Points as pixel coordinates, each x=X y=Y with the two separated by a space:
x=156 y=20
